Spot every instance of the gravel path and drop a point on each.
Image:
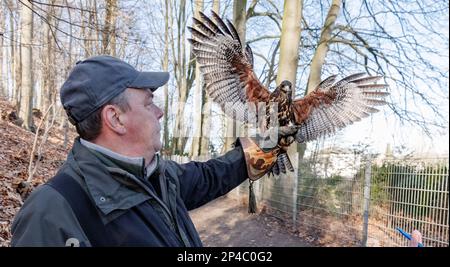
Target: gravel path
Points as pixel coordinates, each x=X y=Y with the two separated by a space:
x=225 y=223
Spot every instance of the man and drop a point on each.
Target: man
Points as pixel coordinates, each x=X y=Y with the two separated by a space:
x=114 y=189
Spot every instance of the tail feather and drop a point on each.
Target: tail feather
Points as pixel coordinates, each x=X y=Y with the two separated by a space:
x=282 y=164
x=287 y=162
x=275 y=169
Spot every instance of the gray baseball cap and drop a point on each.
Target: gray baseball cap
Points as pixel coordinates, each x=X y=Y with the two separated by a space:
x=96 y=80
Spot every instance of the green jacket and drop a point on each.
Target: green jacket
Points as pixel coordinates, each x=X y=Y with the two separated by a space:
x=139 y=206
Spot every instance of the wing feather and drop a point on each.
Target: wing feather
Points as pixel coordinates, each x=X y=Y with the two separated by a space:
x=234 y=33
x=333 y=106
x=226 y=67
x=204 y=28
x=219 y=22
x=199 y=36
x=210 y=24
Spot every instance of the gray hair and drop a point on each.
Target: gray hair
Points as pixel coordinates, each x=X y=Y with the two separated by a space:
x=90 y=128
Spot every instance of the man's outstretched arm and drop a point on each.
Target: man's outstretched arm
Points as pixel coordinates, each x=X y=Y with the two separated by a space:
x=201 y=182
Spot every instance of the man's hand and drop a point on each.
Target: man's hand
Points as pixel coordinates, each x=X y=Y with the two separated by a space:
x=416 y=239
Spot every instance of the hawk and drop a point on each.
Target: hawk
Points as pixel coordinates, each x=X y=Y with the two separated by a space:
x=227 y=68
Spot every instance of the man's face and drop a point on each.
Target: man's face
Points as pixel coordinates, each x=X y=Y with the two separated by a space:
x=142 y=122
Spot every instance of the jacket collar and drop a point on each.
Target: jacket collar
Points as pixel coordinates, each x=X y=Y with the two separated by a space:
x=134 y=165
x=109 y=189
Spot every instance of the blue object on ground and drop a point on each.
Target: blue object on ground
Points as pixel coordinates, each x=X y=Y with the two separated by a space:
x=408 y=236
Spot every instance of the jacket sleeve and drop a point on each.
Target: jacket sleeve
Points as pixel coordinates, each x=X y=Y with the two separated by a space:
x=46 y=220
x=201 y=182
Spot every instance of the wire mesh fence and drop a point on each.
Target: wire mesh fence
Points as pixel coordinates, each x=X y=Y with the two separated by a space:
x=365 y=208
x=343 y=200
x=411 y=194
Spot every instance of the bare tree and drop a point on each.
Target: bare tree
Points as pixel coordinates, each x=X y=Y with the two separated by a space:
x=65 y=121
x=26 y=99
x=319 y=56
x=3 y=91
x=198 y=95
x=184 y=75
x=338 y=36
x=290 y=41
x=403 y=41
x=167 y=29
x=323 y=46
x=48 y=90
x=109 y=30
x=16 y=70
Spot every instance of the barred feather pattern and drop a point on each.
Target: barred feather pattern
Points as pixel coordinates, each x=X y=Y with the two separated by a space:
x=230 y=81
x=226 y=67
x=346 y=101
x=282 y=164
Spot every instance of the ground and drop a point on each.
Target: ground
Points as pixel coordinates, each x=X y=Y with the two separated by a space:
x=225 y=222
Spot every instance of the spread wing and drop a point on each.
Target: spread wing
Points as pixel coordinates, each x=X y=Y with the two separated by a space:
x=227 y=69
x=332 y=106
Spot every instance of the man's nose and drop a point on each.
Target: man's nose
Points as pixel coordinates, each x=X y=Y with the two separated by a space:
x=160 y=113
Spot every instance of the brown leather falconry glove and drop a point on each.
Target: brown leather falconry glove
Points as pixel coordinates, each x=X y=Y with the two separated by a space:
x=261 y=154
x=261 y=151
x=258 y=160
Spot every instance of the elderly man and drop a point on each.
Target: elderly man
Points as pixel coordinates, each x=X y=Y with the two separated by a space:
x=114 y=189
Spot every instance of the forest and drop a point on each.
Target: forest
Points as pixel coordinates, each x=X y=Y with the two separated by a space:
x=304 y=41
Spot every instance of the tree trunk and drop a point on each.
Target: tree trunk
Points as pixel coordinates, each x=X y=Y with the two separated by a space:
x=184 y=73
x=84 y=26
x=26 y=30
x=180 y=74
x=2 y=48
x=289 y=48
x=17 y=66
x=198 y=95
x=216 y=6
x=48 y=75
x=13 y=50
x=65 y=121
x=320 y=54
x=97 y=34
x=167 y=28
x=322 y=48
x=109 y=30
x=290 y=41
x=87 y=28
x=239 y=21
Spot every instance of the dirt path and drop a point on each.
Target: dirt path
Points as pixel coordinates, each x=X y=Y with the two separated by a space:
x=225 y=223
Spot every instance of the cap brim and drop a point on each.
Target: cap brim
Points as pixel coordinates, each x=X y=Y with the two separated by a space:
x=151 y=80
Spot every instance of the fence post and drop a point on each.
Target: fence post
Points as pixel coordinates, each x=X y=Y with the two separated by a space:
x=367 y=176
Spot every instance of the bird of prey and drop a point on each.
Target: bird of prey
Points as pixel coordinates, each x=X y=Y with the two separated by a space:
x=227 y=67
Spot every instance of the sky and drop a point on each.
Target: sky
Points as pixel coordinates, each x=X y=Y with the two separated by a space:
x=379 y=131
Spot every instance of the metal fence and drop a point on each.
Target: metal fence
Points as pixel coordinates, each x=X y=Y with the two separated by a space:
x=411 y=194
x=322 y=201
x=365 y=208
x=342 y=200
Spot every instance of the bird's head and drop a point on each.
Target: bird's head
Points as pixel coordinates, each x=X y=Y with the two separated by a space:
x=286 y=86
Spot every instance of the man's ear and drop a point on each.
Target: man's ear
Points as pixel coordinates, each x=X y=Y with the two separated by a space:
x=111 y=119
